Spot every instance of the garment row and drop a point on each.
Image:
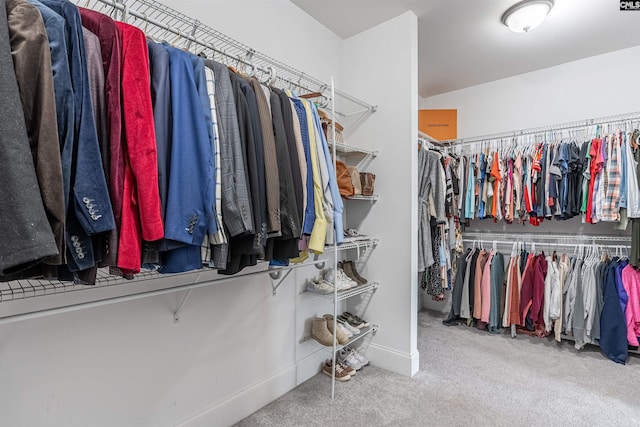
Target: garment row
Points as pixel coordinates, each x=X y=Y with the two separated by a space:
x=125 y=152
x=596 y=180
x=592 y=298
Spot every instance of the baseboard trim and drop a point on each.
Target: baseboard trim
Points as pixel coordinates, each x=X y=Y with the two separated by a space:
x=393 y=360
x=242 y=404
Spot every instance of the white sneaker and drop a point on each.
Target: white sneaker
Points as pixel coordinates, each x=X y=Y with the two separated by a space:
x=346 y=280
x=336 y=279
x=349 y=359
x=347 y=326
x=345 y=330
x=359 y=357
x=319 y=287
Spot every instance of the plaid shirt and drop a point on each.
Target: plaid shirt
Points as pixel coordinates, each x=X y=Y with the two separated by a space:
x=611 y=208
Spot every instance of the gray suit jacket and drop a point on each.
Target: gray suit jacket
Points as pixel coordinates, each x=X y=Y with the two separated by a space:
x=32 y=63
x=236 y=208
x=25 y=233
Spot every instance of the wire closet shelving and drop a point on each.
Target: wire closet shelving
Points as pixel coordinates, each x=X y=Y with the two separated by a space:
x=161 y=22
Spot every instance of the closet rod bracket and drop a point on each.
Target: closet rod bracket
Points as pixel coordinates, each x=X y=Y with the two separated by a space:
x=277 y=279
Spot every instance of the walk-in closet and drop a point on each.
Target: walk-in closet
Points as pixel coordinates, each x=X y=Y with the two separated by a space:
x=299 y=213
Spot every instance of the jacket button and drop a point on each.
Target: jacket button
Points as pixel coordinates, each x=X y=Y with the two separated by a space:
x=78 y=250
x=74 y=238
x=81 y=256
x=86 y=200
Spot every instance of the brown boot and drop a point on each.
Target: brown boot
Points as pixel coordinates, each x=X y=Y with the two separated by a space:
x=320 y=332
x=349 y=269
x=340 y=335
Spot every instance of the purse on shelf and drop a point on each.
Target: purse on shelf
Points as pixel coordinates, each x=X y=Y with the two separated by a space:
x=367 y=181
x=343 y=176
x=354 y=174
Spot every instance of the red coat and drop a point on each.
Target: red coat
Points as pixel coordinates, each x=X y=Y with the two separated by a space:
x=141 y=215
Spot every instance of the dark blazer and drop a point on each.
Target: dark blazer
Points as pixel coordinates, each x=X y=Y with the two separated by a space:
x=111 y=49
x=285 y=246
x=32 y=64
x=25 y=233
x=293 y=159
x=255 y=160
x=272 y=178
x=89 y=211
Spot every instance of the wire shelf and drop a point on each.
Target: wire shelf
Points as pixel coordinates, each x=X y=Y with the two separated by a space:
x=352 y=149
x=348 y=293
x=354 y=244
x=363 y=333
x=161 y=22
x=372 y=199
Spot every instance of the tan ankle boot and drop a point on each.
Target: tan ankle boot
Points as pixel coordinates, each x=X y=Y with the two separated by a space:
x=320 y=331
x=340 y=335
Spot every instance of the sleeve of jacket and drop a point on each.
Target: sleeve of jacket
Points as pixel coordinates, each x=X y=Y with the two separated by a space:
x=190 y=196
x=141 y=216
x=25 y=234
x=32 y=63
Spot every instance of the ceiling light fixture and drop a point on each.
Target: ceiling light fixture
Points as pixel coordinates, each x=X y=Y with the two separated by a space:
x=526 y=15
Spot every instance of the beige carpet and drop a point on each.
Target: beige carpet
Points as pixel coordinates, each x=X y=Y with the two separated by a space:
x=471 y=378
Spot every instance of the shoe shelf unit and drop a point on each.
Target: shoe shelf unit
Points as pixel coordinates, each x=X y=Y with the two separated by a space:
x=369 y=331
x=348 y=293
x=358 y=249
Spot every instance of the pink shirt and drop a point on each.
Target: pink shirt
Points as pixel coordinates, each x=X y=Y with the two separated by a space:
x=631 y=281
x=485 y=289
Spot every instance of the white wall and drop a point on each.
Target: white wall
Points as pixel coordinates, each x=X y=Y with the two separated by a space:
x=598 y=86
x=277 y=28
x=594 y=87
x=381 y=66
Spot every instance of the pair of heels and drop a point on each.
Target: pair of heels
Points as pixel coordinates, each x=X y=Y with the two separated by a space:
x=353 y=320
x=349 y=269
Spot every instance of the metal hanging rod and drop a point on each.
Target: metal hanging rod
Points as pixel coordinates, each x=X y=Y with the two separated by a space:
x=578 y=239
x=545 y=244
x=164 y=19
x=461 y=142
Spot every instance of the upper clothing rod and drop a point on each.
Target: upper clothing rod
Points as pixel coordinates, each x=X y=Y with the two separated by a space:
x=635 y=116
x=127 y=10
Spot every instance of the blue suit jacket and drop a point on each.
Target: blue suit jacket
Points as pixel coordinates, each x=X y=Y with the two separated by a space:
x=89 y=210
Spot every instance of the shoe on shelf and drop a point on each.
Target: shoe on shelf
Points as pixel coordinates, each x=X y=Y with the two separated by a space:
x=319 y=287
x=350 y=270
x=346 y=279
x=340 y=283
x=320 y=332
x=350 y=321
x=344 y=330
x=341 y=337
x=347 y=358
x=359 y=356
x=341 y=373
x=351 y=234
x=361 y=322
x=348 y=327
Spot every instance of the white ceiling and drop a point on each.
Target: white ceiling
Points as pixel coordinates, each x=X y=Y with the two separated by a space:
x=463 y=42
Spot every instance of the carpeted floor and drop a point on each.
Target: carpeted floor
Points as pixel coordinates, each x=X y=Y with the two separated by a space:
x=471 y=378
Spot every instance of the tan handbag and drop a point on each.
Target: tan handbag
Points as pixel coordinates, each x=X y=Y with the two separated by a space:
x=367 y=180
x=344 y=179
x=354 y=173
